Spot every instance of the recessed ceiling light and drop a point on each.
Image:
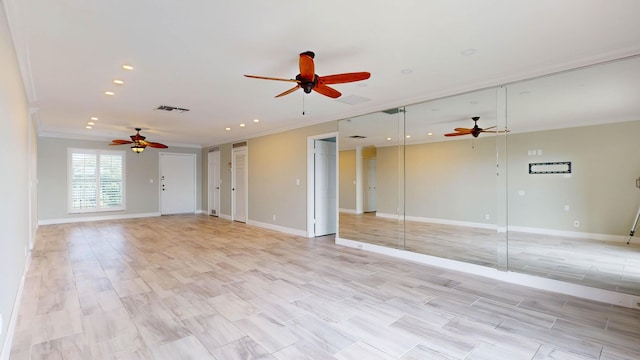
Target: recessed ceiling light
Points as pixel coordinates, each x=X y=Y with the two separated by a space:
x=243 y=125
x=388 y=139
x=127 y=67
x=429 y=134
x=94 y=118
x=406 y=71
x=525 y=92
x=408 y=136
x=228 y=128
x=117 y=81
x=91 y=123
x=88 y=127
x=110 y=93
x=256 y=120
x=468 y=52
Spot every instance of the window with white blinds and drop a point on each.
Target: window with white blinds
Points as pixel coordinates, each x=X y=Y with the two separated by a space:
x=96 y=180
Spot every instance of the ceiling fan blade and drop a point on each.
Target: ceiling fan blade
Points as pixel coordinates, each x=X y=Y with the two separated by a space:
x=327 y=91
x=343 y=78
x=120 y=142
x=491 y=127
x=156 y=145
x=307 y=68
x=271 y=78
x=457 y=134
x=463 y=130
x=289 y=91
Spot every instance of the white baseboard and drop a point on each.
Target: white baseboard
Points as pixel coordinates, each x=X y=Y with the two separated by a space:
x=96 y=218
x=531 y=230
x=581 y=291
x=224 y=216
x=279 y=228
x=439 y=221
x=571 y=234
x=347 y=211
x=13 y=320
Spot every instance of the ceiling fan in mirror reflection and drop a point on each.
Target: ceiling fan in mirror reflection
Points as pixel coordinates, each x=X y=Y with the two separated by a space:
x=475 y=130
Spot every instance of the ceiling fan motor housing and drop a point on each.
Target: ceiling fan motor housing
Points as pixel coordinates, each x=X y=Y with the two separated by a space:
x=306 y=85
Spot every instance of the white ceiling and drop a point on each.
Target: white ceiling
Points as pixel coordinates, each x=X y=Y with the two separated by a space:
x=193 y=54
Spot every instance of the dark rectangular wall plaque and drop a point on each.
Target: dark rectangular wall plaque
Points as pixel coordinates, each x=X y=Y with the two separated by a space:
x=562 y=167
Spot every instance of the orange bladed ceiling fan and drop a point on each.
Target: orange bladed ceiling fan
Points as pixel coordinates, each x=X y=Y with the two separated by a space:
x=475 y=130
x=308 y=80
x=139 y=142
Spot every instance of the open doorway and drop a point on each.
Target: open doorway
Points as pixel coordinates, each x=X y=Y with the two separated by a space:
x=322 y=180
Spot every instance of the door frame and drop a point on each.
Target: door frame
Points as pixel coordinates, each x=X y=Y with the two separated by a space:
x=311 y=205
x=213 y=182
x=195 y=178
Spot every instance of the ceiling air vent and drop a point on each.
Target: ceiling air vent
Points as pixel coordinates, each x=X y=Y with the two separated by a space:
x=171 y=108
x=393 y=111
x=357 y=137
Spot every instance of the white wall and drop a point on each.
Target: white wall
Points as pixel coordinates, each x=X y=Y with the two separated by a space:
x=15 y=156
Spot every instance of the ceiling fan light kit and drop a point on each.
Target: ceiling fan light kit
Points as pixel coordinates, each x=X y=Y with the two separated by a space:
x=139 y=142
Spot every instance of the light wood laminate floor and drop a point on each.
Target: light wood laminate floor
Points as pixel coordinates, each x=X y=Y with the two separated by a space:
x=607 y=265
x=198 y=287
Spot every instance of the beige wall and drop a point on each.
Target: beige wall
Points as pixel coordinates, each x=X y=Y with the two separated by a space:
x=347 y=180
x=15 y=155
x=600 y=192
x=456 y=180
x=275 y=163
x=453 y=180
x=389 y=175
x=142 y=196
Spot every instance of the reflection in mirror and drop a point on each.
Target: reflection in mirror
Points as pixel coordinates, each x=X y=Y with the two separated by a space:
x=564 y=226
x=451 y=180
x=444 y=186
x=574 y=226
x=371 y=178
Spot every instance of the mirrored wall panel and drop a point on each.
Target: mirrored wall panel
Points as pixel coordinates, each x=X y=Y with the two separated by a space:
x=574 y=158
x=450 y=178
x=371 y=178
x=540 y=177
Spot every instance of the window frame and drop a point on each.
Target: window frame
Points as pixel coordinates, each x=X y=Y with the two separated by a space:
x=97 y=153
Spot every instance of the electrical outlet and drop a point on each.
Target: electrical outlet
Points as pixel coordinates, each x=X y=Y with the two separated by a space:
x=274 y=217
x=487 y=216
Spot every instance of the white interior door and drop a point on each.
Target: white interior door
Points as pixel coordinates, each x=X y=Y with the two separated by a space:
x=325 y=188
x=239 y=184
x=214 y=182
x=370 y=203
x=177 y=183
